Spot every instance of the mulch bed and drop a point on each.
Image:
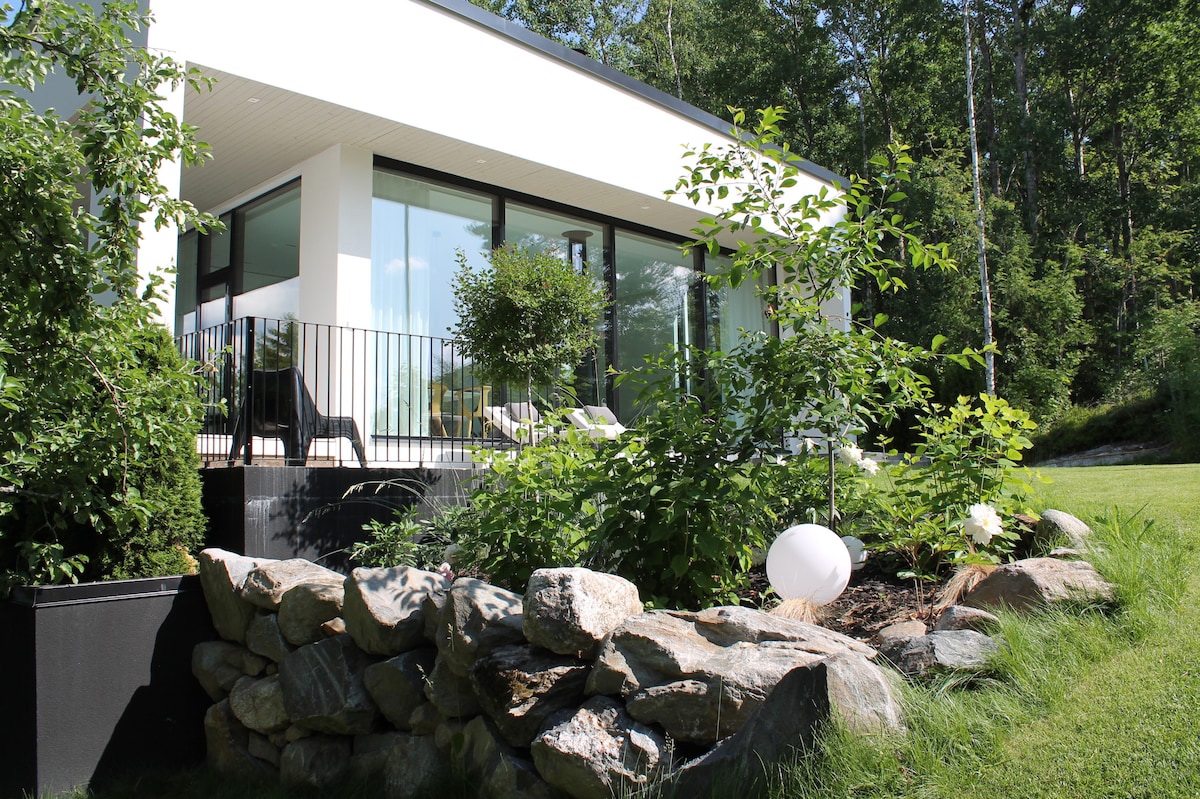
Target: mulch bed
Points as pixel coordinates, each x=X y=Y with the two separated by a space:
x=872 y=600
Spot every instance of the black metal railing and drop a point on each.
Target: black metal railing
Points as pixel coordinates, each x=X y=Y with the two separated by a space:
x=300 y=392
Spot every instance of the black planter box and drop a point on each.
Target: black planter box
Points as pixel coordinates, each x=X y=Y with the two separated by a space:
x=98 y=684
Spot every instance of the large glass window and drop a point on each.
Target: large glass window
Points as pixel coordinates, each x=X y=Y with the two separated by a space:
x=418 y=229
x=655 y=305
x=731 y=311
x=582 y=244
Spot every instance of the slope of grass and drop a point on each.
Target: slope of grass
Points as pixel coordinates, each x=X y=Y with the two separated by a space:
x=1082 y=703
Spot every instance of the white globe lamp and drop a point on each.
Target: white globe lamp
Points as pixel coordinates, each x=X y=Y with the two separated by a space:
x=809 y=562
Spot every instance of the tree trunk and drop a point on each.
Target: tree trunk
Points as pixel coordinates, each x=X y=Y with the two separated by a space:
x=1022 y=11
x=980 y=222
x=989 y=100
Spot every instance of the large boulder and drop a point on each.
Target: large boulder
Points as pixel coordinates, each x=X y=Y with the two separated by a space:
x=222 y=578
x=599 y=752
x=258 y=704
x=305 y=608
x=415 y=768
x=1058 y=527
x=702 y=675
x=398 y=685
x=1036 y=582
x=315 y=762
x=569 y=611
x=946 y=650
x=520 y=687
x=476 y=618
x=495 y=768
x=323 y=688
x=451 y=693
x=266 y=584
x=383 y=607
x=787 y=721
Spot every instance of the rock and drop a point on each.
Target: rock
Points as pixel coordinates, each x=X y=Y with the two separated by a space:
x=258 y=704
x=415 y=768
x=334 y=627
x=432 y=606
x=452 y=694
x=961 y=617
x=787 y=720
x=383 y=607
x=369 y=756
x=306 y=607
x=1039 y=581
x=1056 y=527
x=425 y=719
x=949 y=650
x=476 y=619
x=264 y=638
x=222 y=578
x=599 y=752
x=318 y=761
x=214 y=666
x=520 y=687
x=893 y=638
x=227 y=744
x=496 y=768
x=569 y=611
x=863 y=695
x=266 y=584
x=263 y=748
x=398 y=685
x=701 y=675
x=323 y=687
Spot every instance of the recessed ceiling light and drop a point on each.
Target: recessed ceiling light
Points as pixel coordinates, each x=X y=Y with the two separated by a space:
x=252 y=100
x=481 y=160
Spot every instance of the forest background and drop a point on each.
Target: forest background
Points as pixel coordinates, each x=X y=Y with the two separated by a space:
x=1088 y=130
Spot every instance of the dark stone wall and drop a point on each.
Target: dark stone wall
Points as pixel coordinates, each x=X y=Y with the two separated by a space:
x=98 y=682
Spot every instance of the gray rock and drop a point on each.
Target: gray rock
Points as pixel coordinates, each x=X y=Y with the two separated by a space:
x=452 y=694
x=263 y=748
x=369 y=756
x=432 y=606
x=398 y=685
x=520 y=687
x=599 y=752
x=1056 y=527
x=264 y=638
x=227 y=745
x=949 y=650
x=569 y=611
x=305 y=608
x=476 y=619
x=891 y=640
x=222 y=577
x=318 y=761
x=258 y=704
x=787 y=721
x=415 y=768
x=266 y=584
x=1037 y=582
x=425 y=719
x=961 y=617
x=863 y=695
x=323 y=687
x=384 y=607
x=214 y=666
x=496 y=768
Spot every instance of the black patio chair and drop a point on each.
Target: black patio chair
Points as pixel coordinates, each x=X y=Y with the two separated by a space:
x=283 y=409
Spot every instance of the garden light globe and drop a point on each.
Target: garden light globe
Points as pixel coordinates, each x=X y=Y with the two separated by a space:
x=809 y=562
x=858 y=552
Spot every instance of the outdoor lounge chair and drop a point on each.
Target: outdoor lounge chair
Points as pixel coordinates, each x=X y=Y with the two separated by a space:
x=282 y=408
x=597 y=421
x=519 y=421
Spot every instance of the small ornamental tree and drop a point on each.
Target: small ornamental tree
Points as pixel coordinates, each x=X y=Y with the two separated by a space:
x=98 y=413
x=526 y=316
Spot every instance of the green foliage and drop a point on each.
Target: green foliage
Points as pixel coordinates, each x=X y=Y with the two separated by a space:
x=413 y=539
x=966 y=455
x=97 y=414
x=526 y=317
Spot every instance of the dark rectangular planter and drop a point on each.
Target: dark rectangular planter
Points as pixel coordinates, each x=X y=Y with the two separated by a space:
x=97 y=682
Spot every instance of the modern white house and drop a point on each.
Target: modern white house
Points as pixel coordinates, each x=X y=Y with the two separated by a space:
x=358 y=149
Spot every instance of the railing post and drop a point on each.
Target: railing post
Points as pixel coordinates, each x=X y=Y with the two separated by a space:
x=248 y=376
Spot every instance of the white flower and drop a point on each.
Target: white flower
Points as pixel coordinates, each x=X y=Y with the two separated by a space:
x=637 y=515
x=446 y=571
x=982 y=524
x=850 y=454
x=869 y=465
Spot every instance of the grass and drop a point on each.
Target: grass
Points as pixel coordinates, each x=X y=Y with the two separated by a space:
x=1082 y=704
